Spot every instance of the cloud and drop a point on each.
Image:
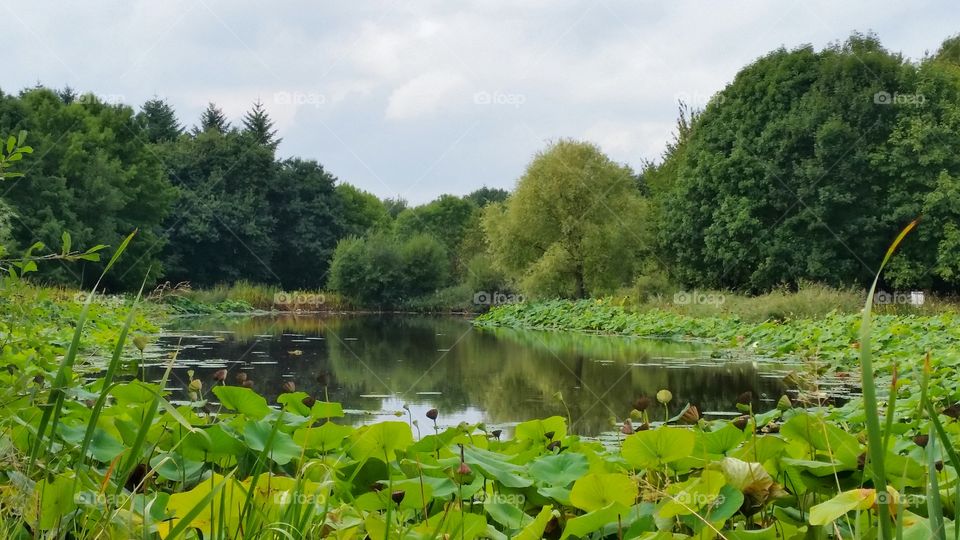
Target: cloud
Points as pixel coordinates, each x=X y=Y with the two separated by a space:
x=379 y=91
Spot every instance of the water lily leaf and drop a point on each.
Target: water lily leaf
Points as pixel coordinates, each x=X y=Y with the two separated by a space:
x=214 y=443
x=595 y=491
x=242 y=400
x=326 y=409
x=559 y=469
x=723 y=440
x=293 y=402
x=581 y=526
x=493 y=466
x=656 y=447
x=327 y=437
x=816 y=468
x=218 y=499
x=534 y=530
x=103 y=446
x=176 y=468
x=559 y=494
x=454 y=524
x=414 y=496
x=53 y=500
x=380 y=441
x=855 y=499
x=690 y=496
x=258 y=435
x=508 y=515
x=823 y=437
x=433 y=443
x=536 y=430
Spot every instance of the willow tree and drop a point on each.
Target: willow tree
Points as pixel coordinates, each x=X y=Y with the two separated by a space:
x=574 y=225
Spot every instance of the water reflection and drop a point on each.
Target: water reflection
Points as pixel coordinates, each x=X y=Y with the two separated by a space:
x=374 y=364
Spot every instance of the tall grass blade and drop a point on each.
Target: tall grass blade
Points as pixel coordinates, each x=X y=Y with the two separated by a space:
x=876 y=451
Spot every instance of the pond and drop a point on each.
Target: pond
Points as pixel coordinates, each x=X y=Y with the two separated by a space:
x=376 y=364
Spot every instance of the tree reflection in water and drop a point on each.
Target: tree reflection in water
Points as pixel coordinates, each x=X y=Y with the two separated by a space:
x=376 y=363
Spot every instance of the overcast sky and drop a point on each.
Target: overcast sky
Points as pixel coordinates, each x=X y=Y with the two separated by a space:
x=420 y=98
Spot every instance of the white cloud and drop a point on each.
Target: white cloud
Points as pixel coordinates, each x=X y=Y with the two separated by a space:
x=425 y=95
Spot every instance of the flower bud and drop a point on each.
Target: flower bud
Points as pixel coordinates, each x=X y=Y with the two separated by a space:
x=220 y=375
x=627 y=428
x=288 y=386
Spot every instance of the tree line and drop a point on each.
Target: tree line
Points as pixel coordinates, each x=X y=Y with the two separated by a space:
x=803 y=168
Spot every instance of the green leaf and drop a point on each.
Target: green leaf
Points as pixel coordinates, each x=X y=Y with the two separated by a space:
x=176 y=468
x=242 y=400
x=656 y=447
x=536 y=430
x=327 y=437
x=581 y=526
x=508 y=515
x=534 y=530
x=54 y=499
x=559 y=469
x=828 y=511
x=492 y=465
x=65 y=239
x=824 y=437
x=260 y=435
x=326 y=409
x=380 y=441
x=595 y=491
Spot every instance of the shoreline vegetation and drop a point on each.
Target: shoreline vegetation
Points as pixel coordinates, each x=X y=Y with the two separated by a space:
x=124 y=462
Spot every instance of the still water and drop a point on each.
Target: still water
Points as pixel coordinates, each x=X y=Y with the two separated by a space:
x=375 y=364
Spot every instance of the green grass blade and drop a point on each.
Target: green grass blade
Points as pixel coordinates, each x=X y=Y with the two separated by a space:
x=876 y=450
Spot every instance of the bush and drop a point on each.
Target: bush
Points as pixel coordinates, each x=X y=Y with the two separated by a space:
x=380 y=271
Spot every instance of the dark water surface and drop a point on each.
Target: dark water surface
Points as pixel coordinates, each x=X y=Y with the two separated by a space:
x=374 y=364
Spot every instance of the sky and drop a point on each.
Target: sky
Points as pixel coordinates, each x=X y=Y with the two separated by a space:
x=414 y=99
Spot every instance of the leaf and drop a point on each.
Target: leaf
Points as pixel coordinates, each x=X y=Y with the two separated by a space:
x=54 y=499
x=823 y=437
x=380 y=441
x=581 y=526
x=260 y=435
x=692 y=495
x=493 y=466
x=65 y=238
x=856 y=499
x=559 y=469
x=242 y=400
x=536 y=430
x=657 y=447
x=327 y=437
x=326 y=409
x=508 y=515
x=193 y=509
x=534 y=531
x=595 y=491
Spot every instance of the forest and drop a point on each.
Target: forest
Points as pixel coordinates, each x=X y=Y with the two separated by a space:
x=800 y=170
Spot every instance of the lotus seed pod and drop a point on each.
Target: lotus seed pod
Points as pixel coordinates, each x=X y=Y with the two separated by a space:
x=220 y=375
x=241 y=377
x=140 y=342
x=397 y=496
x=288 y=386
x=642 y=403
x=433 y=414
x=664 y=396
x=196 y=385
x=784 y=403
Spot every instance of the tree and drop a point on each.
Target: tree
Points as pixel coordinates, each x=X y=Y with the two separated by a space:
x=377 y=270
x=221 y=227
x=257 y=124
x=573 y=226
x=213 y=119
x=159 y=121
x=362 y=211
x=308 y=223
x=486 y=195
x=777 y=181
x=93 y=175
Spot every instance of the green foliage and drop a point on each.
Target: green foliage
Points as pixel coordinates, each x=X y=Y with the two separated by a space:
x=92 y=174
x=258 y=125
x=805 y=166
x=159 y=121
x=574 y=225
x=381 y=270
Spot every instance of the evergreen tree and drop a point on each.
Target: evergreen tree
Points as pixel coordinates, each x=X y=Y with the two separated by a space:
x=257 y=124
x=159 y=121
x=213 y=118
x=67 y=95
